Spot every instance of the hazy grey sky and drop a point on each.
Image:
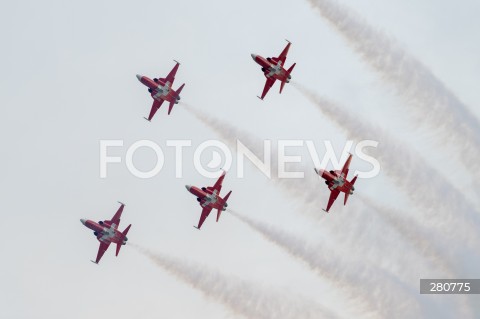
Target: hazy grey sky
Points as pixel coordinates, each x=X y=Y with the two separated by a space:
x=69 y=81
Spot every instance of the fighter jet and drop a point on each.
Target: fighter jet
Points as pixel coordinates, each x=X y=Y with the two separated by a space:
x=209 y=198
x=273 y=69
x=161 y=90
x=107 y=233
x=337 y=182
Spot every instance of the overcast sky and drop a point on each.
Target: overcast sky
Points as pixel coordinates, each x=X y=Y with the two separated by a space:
x=68 y=81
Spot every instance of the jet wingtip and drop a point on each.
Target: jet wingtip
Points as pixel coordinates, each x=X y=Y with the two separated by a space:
x=288 y=41
x=147 y=119
x=260 y=98
x=96 y=263
x=196 y=227
x=120 y=203
x=176 y=61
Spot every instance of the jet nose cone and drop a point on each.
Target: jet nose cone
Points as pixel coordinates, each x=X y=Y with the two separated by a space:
x=83 y=221
x=188 y=187
x=254 y=56
x=139 y=77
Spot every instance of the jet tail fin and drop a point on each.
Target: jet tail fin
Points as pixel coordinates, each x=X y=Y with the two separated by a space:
x=282 y=85
x=119 y=245
x=219 y=212
x=351 y=190
x=180 y=88
x=291 y=69
x=124 y=235
x=170 y=107
x=125 y=232
x=227 y=196
x=353 y=180
x=346 y=198
x=288 y=77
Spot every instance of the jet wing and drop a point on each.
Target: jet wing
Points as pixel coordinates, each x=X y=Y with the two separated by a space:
x=268 y=85
x=115 y=221
x=171 y=76
x=205 y=212
x=346 y=166
x=332 y=198
x=101 y=250
x=218 y=184
x=155 y=106
x=283 y=56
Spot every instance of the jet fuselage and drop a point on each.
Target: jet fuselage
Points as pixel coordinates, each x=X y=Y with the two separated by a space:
x=159 y=90
x=335 y=180
x=271 y=69
x=105 y=232
x=213 y=199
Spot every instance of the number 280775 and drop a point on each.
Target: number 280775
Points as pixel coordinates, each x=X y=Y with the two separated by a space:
x=449 y=286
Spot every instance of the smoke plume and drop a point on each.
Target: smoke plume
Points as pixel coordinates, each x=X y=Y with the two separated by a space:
x=442 y=206
x=426 y=97
x=359 y=232
x=362 y=284
x=241 y=297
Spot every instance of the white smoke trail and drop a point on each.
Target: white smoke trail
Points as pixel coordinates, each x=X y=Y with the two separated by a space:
x=231 y=134
x=443 y=206
x=427 y=242
x=241 y=297
x=424 y=240
x=426 y=97
x=353 y=280
x=308 y=190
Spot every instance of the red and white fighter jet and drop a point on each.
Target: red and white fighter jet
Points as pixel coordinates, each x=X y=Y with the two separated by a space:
x=209 y=198
x=337 y=182
x=161 y=90
x=107 y=233
x=273 y=69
